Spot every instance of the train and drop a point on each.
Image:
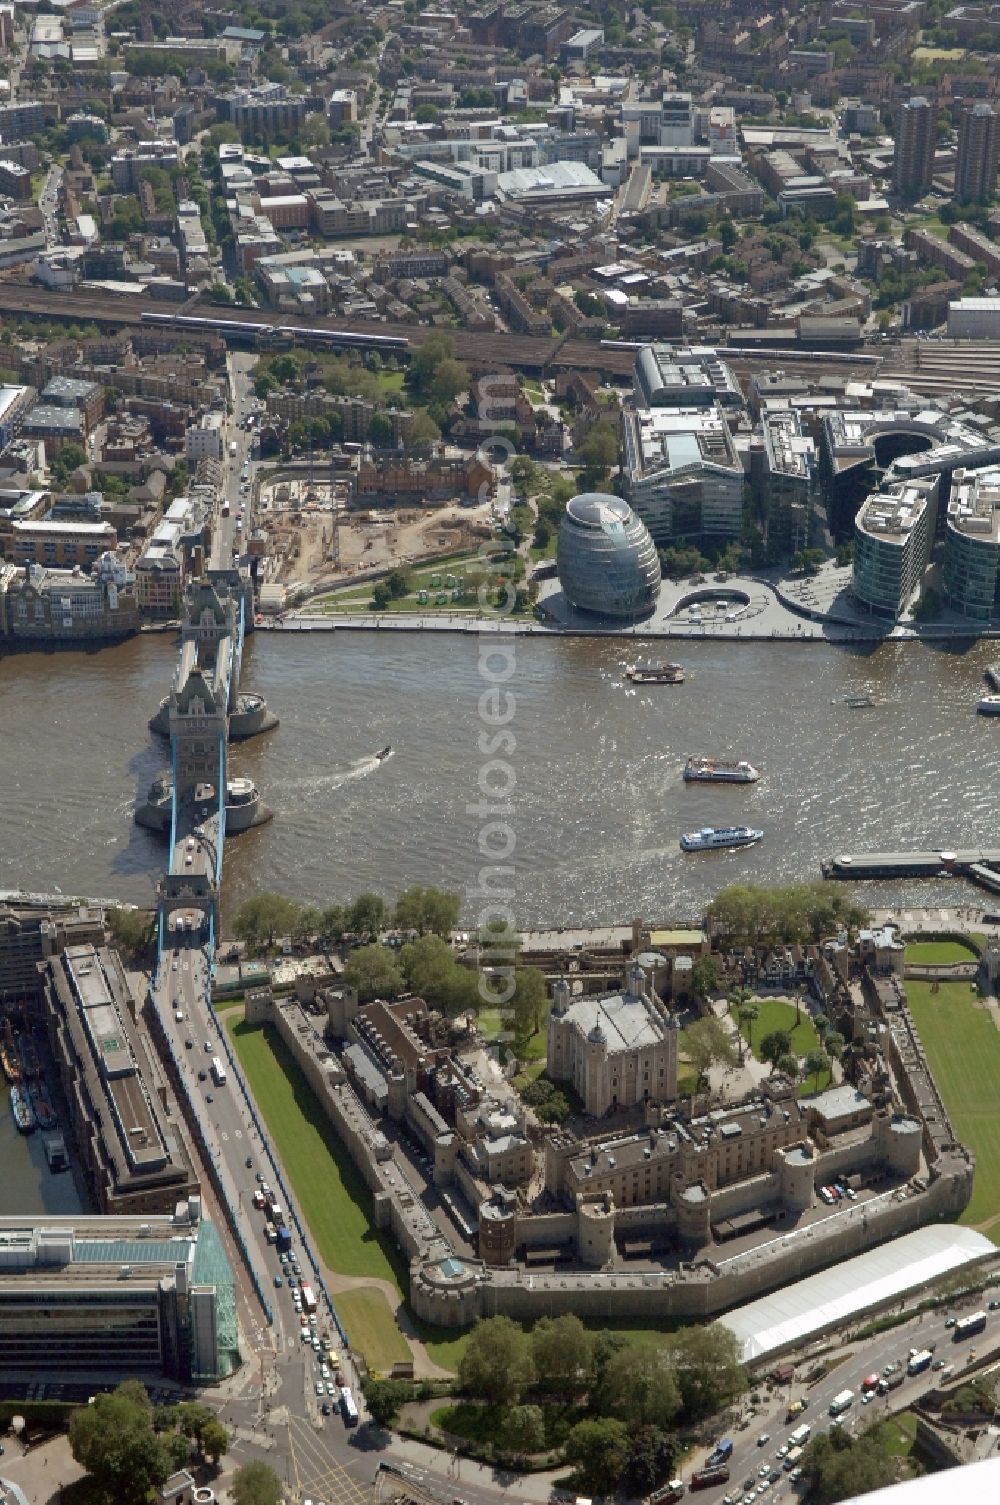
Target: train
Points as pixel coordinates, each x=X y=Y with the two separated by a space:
x=790 y=352
x=248 y=328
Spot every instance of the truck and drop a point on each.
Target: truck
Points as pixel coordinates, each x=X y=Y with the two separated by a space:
x=667 y=1494
x=795 y=1409
x=721 y=1453
x=919 y=1361
x=966 y=1326
x=232 y=448
x=704 y=1478
x=841 y=1401
x=284 y=1239
x=792 y=1459
x=890 y=1382
x=800 y=1436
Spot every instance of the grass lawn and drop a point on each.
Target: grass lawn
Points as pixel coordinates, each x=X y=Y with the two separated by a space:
x=466 y=570
x=773 y=1015
x=481 y=1424
x=898 y=1434
x=227 y=1005
x=938 y=953
x=549 y=551
x=495 y=1024
x=391 y=381
x=334 y=1200
x=963 y=1049
x=530 y=1074
x=446 y=1346
x=370 y=1323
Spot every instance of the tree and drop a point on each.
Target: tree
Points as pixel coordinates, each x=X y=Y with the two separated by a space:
x=833 y=1044
x=528 y=1003
x=427 y=909
x=373 y=973
x=423 y=429
x=368 y=916
x=496 y=1365
x=775 y=1045
x=746 y=1014
x=256 y=1484
x=562 y=1351
x=450 y=378
x=306 y=924
x=707 y=1366
x=132 y=929
x=598 y=1451
x=434 y=972
x=651 y=1457
x=599 y=450
x=817 y=1062
x=837 y=1466
x=707 y=1044
x=385 y=1399
x=606 y=1344
x=333 y=923
x=640 y=1386
x=214 y=1441
x=381 y=597
x=789 y=1066
x=263 y=917
x=114 y=1440
x=522 y=1430
x=380 y=431
x=704 y=976
x=797 y=913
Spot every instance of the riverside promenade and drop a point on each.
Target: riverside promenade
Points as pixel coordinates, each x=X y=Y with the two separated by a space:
x=740 y=608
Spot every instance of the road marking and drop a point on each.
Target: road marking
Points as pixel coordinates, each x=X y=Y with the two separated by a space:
x=320 y=1473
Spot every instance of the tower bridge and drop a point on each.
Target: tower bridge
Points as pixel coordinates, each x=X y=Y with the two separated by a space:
x=195 y=803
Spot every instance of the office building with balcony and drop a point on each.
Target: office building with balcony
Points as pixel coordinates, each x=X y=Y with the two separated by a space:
x=61 y=545
x=970 y=573
x=682 y=473
x=785 y=477
x=893 y=533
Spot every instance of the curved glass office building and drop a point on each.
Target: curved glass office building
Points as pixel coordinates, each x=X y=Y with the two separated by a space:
x=605 y=558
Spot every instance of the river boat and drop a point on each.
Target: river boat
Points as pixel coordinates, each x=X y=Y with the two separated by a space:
x=21 y=1109
x=858 y=702
x=29 y=1056
x=385 y=752
x=45 y=1114
x=11 y=1062
x=655 y=674
x=718 y=838
x=989 y=705
x=718 y=771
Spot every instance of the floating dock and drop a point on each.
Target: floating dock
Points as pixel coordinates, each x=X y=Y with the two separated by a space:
x=969 y=863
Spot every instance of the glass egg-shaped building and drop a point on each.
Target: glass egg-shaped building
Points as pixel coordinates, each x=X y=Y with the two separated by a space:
x=605 y=558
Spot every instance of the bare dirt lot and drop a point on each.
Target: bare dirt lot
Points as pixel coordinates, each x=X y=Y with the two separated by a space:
x=307 y=536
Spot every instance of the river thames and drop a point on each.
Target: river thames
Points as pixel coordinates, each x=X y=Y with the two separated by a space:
x=598 y=801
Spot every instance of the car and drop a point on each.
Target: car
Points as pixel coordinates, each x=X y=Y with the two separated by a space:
x=938 y=1364
x=868 y=1397
x=749 y=1484
x=325 y=1408
x=208 y=1047
x=728 y=1500
x=784 y=1450
x=331 y=1388
x=260 y=1177
x=763 y=1471
x=763 y=1439
x=189 y=1045
x=283 y=1256
x=324 y=1370
x=209 y=1098
x=951 y=1322
x=749 y=1499
x=320 y=1388
x=763 y=1486
x=296 y=1267
x=774 y=1476
x=316 y=1343
x=203 y=1076
x=795 y=1475
x=278 y=1282
x=292 y=1282
x=249 y=1163
x=993 y=1306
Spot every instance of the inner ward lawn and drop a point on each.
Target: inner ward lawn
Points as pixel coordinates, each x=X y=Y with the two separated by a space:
x=774 y=1014
x=963 y=1047
x=938 y=953
x=335 y=1201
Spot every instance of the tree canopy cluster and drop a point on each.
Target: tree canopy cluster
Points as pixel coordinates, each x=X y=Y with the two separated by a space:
x=798 y=913
x=128 y=1448
x=630 y=1398
x=263 y=918
x=839 y=1466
